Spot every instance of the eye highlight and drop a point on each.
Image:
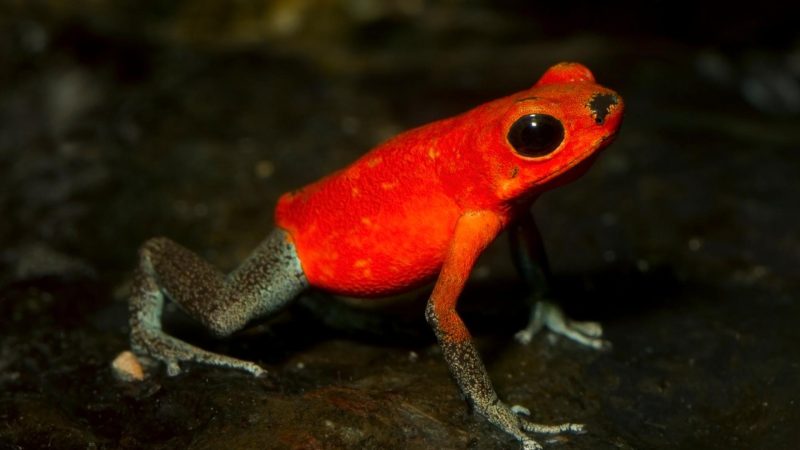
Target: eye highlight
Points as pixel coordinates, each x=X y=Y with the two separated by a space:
x=536 y=135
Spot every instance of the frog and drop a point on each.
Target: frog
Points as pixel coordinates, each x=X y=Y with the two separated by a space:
x=418 y=208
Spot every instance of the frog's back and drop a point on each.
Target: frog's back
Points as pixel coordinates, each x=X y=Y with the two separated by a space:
x=378 y=227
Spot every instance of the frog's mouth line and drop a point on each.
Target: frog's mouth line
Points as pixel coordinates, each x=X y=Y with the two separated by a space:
x=570 y=171
x=577 y=166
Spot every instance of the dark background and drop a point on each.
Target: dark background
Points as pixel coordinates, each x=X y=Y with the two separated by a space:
x=122 y=120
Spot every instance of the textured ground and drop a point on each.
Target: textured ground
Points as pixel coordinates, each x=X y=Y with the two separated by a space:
x=682 y=239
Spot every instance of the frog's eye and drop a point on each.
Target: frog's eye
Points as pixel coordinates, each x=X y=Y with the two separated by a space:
x=536 y=135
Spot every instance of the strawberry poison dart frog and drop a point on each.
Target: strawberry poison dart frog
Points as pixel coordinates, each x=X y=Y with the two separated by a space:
x=419 y=207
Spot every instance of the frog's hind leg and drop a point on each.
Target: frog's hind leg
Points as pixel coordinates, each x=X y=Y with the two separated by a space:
x=264 y=283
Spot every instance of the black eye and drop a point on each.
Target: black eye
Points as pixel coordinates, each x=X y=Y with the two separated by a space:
x=536 y=134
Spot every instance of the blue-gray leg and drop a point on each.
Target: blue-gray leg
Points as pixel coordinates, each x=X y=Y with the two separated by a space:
x=530 y=259
x=264 y=283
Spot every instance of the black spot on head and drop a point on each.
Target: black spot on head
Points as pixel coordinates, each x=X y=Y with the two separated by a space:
x=601 y=105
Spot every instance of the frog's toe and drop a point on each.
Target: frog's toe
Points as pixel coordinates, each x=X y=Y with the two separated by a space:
x=173 y=368
x=226 y=361
x=531 y=427
x=520 y=410
x=524 y=336
x=584 y=333
x=590 y=329
x=549 y=315
x=530 y=444
x=576 y=333
x=172 y=352
x=256 y=370
x=572 y=428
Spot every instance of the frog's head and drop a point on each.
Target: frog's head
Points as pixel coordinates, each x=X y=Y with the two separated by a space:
x=549 y=134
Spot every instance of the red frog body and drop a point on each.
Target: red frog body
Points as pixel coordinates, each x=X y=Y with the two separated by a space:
x=384 y=224
x=421 y=206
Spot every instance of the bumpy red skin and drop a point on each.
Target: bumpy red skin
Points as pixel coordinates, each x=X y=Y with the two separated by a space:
x=385 y=223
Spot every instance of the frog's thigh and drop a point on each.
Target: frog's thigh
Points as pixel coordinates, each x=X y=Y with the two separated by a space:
x=266 y=281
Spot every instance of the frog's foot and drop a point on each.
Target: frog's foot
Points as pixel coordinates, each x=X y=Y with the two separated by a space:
x=172 y=352
x=512 y=422
x=549 y=315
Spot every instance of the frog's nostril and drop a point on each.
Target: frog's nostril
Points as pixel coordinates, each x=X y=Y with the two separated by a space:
x=601 y=104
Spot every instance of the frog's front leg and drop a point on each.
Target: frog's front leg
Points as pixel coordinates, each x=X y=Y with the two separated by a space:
x=474 y=231
x=530 y=259
x=268 y=279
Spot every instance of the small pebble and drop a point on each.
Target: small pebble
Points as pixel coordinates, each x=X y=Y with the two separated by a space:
x=126 y=367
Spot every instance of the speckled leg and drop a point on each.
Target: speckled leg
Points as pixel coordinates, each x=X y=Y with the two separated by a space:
x=265 y=282
x=473 y=233
x=530 y=259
